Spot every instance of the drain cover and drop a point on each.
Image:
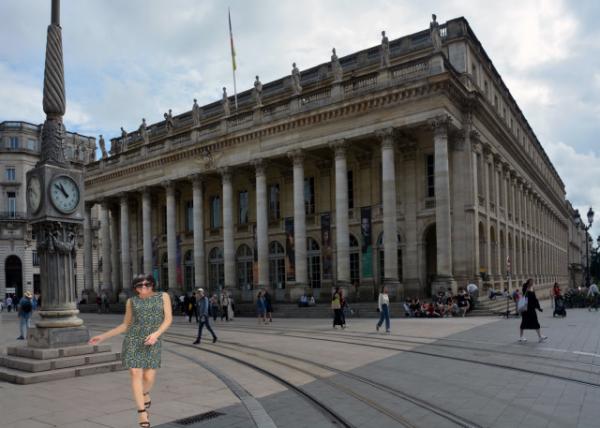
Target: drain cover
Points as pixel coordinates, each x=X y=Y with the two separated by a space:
x=198 y=418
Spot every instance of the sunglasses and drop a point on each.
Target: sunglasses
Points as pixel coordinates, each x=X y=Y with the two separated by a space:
x=143 y=284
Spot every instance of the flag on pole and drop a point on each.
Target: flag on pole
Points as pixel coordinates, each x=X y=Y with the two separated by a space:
x=233 y=63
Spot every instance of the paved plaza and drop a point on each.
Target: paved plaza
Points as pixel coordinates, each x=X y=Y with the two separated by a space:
x=471 y=368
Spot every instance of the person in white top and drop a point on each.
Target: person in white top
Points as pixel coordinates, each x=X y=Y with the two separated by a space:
x=592 y=295
x=383 y=304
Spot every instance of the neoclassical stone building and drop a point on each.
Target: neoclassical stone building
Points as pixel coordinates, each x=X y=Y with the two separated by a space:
x=407 y=164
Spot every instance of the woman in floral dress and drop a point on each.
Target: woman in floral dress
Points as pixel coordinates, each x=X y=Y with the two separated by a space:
x=147 y=316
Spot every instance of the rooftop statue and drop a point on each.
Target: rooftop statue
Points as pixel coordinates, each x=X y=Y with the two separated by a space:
x=296 y=80
x=102 y=147
x=144 y=131
x=385 y=51
x=336 y=67
x=434 y=30
x=196 y=113
x=169 y=121
x=225 y=102
x=123 y=142
x=258 y=88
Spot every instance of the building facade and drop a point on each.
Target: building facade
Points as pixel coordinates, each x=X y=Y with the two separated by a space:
x=19 y=152
x=407 y=164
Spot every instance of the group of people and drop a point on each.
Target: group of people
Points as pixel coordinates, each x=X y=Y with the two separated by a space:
x=25 y=306
x=12 y=302
x=222 y=305
x=444 y=304
x=306 y=301
x=264 y=306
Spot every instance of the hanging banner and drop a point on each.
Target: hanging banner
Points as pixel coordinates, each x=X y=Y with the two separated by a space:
x=367 y=242
x=290 y=255
x=326 y=245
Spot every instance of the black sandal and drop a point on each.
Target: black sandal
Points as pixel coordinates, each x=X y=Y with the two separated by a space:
x=144 y=424
x=148 y=403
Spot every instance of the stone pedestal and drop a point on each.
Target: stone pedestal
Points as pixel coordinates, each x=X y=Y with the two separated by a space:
x=57 y=337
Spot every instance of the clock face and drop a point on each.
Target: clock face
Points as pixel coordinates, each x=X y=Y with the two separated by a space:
x=34 y=193
x=64 y=194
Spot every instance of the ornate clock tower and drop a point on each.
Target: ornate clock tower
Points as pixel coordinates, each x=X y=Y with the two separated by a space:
x=55 y=210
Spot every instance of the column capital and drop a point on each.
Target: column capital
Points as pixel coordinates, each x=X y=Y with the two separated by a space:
x=260 y=166
x=197 y=179
x=339 y=147
x=225 y=173
x=439 y=124
x=386 y=136
x=144 y=190
x=297 y=157
x=123 y=197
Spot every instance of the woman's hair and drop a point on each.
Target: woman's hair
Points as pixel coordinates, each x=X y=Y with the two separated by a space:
x=526 y=285
x=141 y=278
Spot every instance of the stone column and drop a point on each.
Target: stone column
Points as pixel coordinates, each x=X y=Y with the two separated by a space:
x=147 y=230
x=262 y=238
x=171 y=234
x=125 y=254
x=390 y=225
x=488 y=208
x=198 y=203
x=342 y=231
x=88 y=266
x=106 y=253
x=442 y=206
x=410 y=256
x=114 y=252
x=228 y=250
x=299 y=227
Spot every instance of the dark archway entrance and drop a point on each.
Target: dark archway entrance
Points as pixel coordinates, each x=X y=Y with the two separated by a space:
x=430 y=256
x=13 y=270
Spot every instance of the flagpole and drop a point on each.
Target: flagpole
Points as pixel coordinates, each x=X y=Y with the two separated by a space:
x=233 y=63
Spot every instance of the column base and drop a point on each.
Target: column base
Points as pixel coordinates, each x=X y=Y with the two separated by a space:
x=89 y=296
x=412 y=288
x=367 y=291
x=395 y=289
x=59 y=318
x=42 y=337
x=442 y=283
x=295 y=291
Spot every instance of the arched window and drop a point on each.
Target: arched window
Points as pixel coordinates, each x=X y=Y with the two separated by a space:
x=244 y=260
x=188 y=270
x=354 y=261
x=380 y=252
x=276 y=265
x=313 y=255
x=216 y=274
x=164 y=273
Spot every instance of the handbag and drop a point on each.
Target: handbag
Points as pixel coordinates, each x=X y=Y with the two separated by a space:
x=522 y=305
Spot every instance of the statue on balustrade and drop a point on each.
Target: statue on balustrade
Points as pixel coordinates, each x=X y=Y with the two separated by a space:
x=196 y=113
x=144 y=131
x=169 y=121
x=123 y=142
x=385 y=51
x=434 y=30
x=296 y=80
x=102 y=147
x=336 y=67
x=225 y=102
x=258 y=88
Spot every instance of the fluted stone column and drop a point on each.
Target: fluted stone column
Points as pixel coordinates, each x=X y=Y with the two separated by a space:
x=342 y=231
x=410 y=255
x=106 y=258
x=171 y=234
x=125 y=253
x=299 y=226
x=147 y=230
x=262 y=238
x=442 y=206
x=199 y=265
x=114 y=252
x=390 y=226
x=228 y=245
x=88 y=268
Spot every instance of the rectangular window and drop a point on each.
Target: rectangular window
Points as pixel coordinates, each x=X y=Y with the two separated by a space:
x=35 y=260
x=13 y=143
x=350 y=190
x=215 y=212
x=243 y=207
x=309 y=195
x=11 y=174
x=189 y=216
x=164 y=219
x=12 y=204
x=430 y=176
x=274 y=212
x=32 y=144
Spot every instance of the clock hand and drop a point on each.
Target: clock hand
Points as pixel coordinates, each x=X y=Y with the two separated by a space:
x=62 y=189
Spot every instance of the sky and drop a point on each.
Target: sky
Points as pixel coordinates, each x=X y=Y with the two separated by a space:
x=125 y=60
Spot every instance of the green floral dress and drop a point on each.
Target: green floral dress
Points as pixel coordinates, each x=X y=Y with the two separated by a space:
x=147 y=315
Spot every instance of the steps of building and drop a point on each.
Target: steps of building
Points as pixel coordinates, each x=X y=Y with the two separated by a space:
x=52 y=353
x=25 y=378
x=36 y=366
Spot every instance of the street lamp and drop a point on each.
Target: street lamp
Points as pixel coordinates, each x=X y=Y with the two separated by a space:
x=579 y=222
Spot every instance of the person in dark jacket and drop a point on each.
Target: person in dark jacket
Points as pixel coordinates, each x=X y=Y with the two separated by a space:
x=192 y=308
x=529 y=319
x=203 y=314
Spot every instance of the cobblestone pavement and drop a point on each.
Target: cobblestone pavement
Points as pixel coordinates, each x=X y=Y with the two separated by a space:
x=448 y=372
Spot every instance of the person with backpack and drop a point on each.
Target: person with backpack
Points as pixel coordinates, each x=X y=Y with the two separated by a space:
x=203 y=312
x=527 y=306
x=25 y=311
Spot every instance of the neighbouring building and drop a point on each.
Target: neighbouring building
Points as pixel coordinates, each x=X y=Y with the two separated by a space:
x=407 y=164
x=19 y=152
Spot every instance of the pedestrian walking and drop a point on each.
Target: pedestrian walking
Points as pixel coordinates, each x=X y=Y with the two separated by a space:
x=336 y=305
x=268 y=304
x=383 y=305
x=105 y=302
x=529 y=320
x=147 y=316
x=261 y=308
x=203 y=312
x=214 y=305
x=192 y=308
x=231 y=308
x=224 y=306
x=592 y=296
x=9 y=303
x=25 y=309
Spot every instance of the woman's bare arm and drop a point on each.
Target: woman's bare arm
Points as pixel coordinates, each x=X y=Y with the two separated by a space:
x=120 y=329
